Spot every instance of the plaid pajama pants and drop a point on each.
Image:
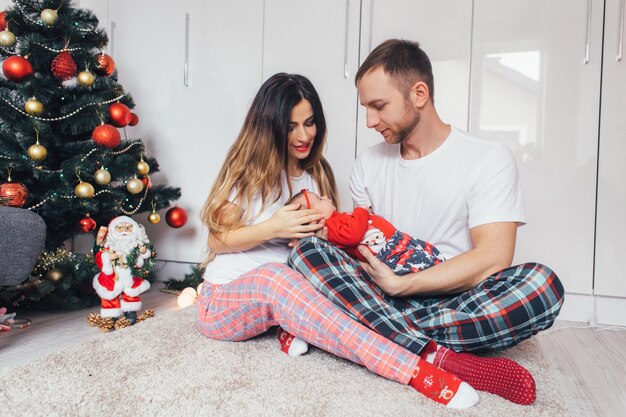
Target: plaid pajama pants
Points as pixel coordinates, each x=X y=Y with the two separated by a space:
x=274 y=294
x=503 y=310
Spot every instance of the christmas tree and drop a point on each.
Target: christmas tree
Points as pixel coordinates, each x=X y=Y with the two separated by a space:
x=64 y=149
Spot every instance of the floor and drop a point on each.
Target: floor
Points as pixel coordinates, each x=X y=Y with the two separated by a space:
x=591 y=361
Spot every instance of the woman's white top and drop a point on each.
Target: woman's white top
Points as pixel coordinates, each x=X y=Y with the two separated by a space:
x=227 y=267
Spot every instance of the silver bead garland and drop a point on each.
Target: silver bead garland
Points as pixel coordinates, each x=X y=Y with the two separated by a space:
x=67 y=116
x=37 y=22
x=59 y=50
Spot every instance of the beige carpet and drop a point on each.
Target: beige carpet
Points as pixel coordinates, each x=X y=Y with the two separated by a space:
x=163 y=367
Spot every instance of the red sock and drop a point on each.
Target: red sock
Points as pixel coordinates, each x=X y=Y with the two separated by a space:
x=285 y=339
x=442 y=386
x=500 y=376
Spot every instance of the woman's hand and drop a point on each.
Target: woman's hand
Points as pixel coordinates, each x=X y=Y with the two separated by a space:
x=291 y=223
x=381 y=274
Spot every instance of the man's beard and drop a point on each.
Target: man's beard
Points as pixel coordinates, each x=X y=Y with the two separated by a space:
x=123 y=245
x=407 y=129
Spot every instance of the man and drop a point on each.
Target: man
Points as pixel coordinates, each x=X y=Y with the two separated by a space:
x=459 y=193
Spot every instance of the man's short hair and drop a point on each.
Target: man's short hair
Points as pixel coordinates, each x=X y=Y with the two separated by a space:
x=404 y=61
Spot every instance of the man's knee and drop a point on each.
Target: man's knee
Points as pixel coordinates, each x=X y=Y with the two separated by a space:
x=548 y=285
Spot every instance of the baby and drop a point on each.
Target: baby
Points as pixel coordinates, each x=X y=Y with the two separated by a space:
x=401 y=252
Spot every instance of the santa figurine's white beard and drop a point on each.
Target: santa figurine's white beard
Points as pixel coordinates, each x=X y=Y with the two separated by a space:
x=123 y=245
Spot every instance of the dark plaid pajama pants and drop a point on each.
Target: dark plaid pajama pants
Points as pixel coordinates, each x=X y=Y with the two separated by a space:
x=504 y=309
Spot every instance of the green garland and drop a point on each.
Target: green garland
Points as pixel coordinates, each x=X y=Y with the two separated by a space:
x=148 y=264
x=191 y=279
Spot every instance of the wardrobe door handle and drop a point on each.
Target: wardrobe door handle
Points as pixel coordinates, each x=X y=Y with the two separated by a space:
x=620 y=44
x=346 y=72
x=588 y=31
x=371 y=26
x=186 y=68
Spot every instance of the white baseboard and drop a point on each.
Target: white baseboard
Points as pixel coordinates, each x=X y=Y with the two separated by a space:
x=594 y=309
x=166 y=270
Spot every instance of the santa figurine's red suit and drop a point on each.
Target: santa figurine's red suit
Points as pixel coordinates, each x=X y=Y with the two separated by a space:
x=115 y=285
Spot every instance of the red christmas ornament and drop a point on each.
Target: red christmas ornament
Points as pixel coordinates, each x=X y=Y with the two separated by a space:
x=176 y=217
x=106 y=135
x=13 y=194
x=87 y=224
x=105 y=65
x=120 y=114
x=134 y=119
x=16 y=68
x=63 y=66
x=146 y=182
x=3 y=22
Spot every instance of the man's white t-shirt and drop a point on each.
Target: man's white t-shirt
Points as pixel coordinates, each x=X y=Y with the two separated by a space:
x=227 y=267
x=464 y=183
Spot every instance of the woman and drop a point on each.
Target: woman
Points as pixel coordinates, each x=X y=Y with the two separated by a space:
x=248 y=287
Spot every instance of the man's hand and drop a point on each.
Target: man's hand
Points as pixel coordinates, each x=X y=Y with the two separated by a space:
x=381 y=274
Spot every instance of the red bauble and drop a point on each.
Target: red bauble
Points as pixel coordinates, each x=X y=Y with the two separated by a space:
x=13 y=194
x=146 y=181
x=134 y=119
x=106 y=135
x=16 y=68
x=87 y=224
x=3 y=22
x=176 y=217
x=63 y=66
x=105 y=65
x=120 y=114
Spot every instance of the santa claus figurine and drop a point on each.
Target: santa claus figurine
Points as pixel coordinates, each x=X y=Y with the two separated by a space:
x=122 y=259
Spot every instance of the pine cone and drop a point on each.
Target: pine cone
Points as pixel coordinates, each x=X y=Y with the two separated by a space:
x=107 y=324
x=121 y=323
x=94 y=319
x=145 y=315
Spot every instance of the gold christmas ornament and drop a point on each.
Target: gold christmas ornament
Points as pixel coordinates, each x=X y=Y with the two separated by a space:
x=7 y=38
x=49 y=17
x=55 y=275
x=102 y=176
x=134 y=186
x=33 y=107
x=154 y=217
x=143 y=168
x=84 y=190
x=37 y=152
x=85 y=78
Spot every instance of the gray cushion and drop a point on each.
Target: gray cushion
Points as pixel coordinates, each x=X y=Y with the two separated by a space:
x=22 y=236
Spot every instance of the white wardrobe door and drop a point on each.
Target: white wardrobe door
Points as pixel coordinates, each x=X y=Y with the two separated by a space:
x=535 y=87
x=192 y=68
x=218 y=74
x=611 y=227
x=443 y=29
x=319 y=39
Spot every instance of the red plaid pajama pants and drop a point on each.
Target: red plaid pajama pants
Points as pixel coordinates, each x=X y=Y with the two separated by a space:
x=272 y=295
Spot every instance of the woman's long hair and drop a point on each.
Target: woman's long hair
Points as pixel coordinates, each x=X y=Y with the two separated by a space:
x=255 y=162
